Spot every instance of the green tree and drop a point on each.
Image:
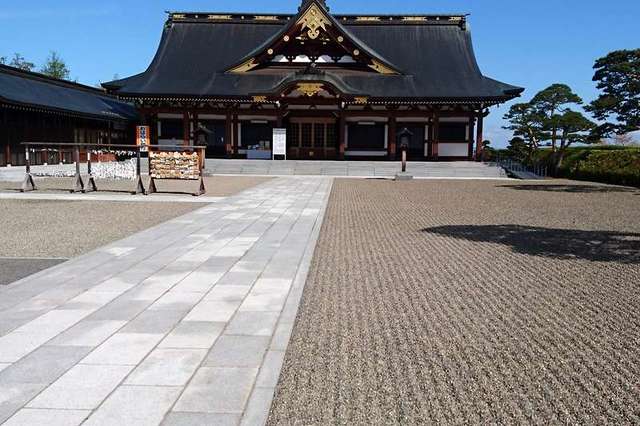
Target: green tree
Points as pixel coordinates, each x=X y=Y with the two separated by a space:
x=528 y=123
x=18 y=61
x=573 y=128
x=551 y=103
x=3 y=60
x=56 y=67
x=518 y=149
x=618 y=78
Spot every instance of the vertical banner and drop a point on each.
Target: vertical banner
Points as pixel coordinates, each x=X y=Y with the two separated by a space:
x=143 y=137
x=279 y=143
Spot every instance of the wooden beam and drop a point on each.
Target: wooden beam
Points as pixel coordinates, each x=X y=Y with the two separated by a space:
x=235 y=142
x=186 y=128
x=392 y=137
x=436 y=135
x=341 y=136
x=228 y=135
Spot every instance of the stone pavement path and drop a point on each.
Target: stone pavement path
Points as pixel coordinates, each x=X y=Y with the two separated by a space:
x=184 y=323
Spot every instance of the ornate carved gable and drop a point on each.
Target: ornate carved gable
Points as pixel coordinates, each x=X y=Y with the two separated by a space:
x=314 y=34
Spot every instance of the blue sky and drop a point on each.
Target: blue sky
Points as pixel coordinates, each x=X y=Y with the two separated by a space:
x=527 y=43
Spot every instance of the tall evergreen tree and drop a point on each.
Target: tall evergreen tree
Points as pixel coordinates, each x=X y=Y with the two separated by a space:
x=618 y=78
x=573 y=128
x=551 y=103
x=527 y=123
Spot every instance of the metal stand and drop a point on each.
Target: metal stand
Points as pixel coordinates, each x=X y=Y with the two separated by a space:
x=152 y=187
x=28 y=184
x=78 y=185
x=202 y=189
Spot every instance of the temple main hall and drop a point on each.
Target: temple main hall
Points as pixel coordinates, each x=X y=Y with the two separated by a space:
x=343 y=86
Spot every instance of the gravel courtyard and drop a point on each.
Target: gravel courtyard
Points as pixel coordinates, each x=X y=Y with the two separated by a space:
x=469 y=302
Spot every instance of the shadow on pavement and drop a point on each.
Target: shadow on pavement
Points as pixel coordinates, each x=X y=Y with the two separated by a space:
x=580 y=189
x=601 y=246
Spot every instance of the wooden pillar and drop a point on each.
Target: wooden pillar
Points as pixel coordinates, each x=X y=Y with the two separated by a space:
x=392 y=137
x=228 y=135
x=479 y=135
x=235 y=142
x=186 y=124
x=470 y=138
x=341 y=136
x=5 y=138
x=436 y=135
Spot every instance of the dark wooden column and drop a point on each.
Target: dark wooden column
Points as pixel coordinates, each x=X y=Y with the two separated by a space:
x=392 y=137
x=341 y=136
x=470 y=138
x=235 y=142
x=186 y=128
x=228 y=135
x=5 y=138
x=436 y=135
x=479 y=135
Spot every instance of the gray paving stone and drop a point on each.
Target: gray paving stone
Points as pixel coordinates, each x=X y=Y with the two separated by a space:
x=135 y=406
x=123 y=349
x=201 y=419
x=239 y=278
x=176 y=301
x=121 y=309
x=237 y=351
x=257 y=411
x=281 y=337
x=200 y=281
x=154 y=322
x=270 y=370
x=253 y=324
x=13 y=396
x=193 y=335
x=167 y=367
x=213 y=311
x=32 y=417
x=88 y=333
x=4 y=365
x=218 y=390
x=229 y=293
x=53 y=322
x=14 y=346
x=83 y=387
x=44 y=365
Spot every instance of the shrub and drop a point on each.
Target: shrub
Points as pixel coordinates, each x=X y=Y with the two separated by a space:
x=613 y=165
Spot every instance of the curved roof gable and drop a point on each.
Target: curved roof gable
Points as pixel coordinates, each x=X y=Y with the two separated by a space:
x=312 y=20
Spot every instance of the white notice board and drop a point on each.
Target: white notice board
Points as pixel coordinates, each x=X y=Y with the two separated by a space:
x=280 y=142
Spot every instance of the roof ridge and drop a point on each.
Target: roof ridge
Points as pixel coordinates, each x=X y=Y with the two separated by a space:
x=51 y=80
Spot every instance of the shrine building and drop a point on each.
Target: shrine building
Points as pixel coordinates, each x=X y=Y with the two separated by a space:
x=344 y=86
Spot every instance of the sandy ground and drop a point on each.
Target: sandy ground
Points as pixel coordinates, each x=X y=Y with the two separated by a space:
x=469 y=302
x=217 y=186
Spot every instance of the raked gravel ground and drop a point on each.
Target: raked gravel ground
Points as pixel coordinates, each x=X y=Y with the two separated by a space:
x=469 y=303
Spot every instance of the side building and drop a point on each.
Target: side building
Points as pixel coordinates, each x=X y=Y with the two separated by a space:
x=37 y=108
x=344 y=86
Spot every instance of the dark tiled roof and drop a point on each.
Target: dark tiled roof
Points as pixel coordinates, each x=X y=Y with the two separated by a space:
x=28 y=89
x=434 y=54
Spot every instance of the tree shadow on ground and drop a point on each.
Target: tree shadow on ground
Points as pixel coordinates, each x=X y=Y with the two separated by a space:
x=601 y=246
x=578 y=189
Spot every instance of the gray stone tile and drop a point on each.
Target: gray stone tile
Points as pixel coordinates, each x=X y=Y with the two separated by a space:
x=121 y=309
x=213 y=311
x=44 y=365
x=54 y=322
x=123 y=349
x=135 y=406
x=218 y=390
x=281 y=337
x=253 y=324
x=201 y=419
x=4 y=365
x=237 y=351
x=229 y=293
x=88 y=333
x=239 y=278
x=193 y=335
x=14 y=346
x=167 y=367
x=200 y=281
x=257 y=411
x=176 y=301
x=83 y=387
x=32 y=416
x=154 y=322
x=14 y=395
x=270 y=370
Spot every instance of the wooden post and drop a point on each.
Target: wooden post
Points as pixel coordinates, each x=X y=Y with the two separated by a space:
x=228 y=135
x=341 y=136
x=235 y=142
x=470 y=137
x=479 y=136
x=392 y=137
x=7 y=153
x=186 y=128
x=436 y=135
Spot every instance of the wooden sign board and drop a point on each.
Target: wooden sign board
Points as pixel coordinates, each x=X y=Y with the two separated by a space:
x=143 y=137
x=280 y=143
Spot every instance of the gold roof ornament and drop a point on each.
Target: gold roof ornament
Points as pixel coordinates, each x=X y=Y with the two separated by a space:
x=314 y=19
x=247 y=66
x=259 y=99
x=361 y=99
x=310 y=89
x=381 y=68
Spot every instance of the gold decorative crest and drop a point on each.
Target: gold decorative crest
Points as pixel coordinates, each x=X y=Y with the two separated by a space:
x=247 y=66
x=310 y=89
x=361 y=99
x=259 y=99
x=314 y=19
